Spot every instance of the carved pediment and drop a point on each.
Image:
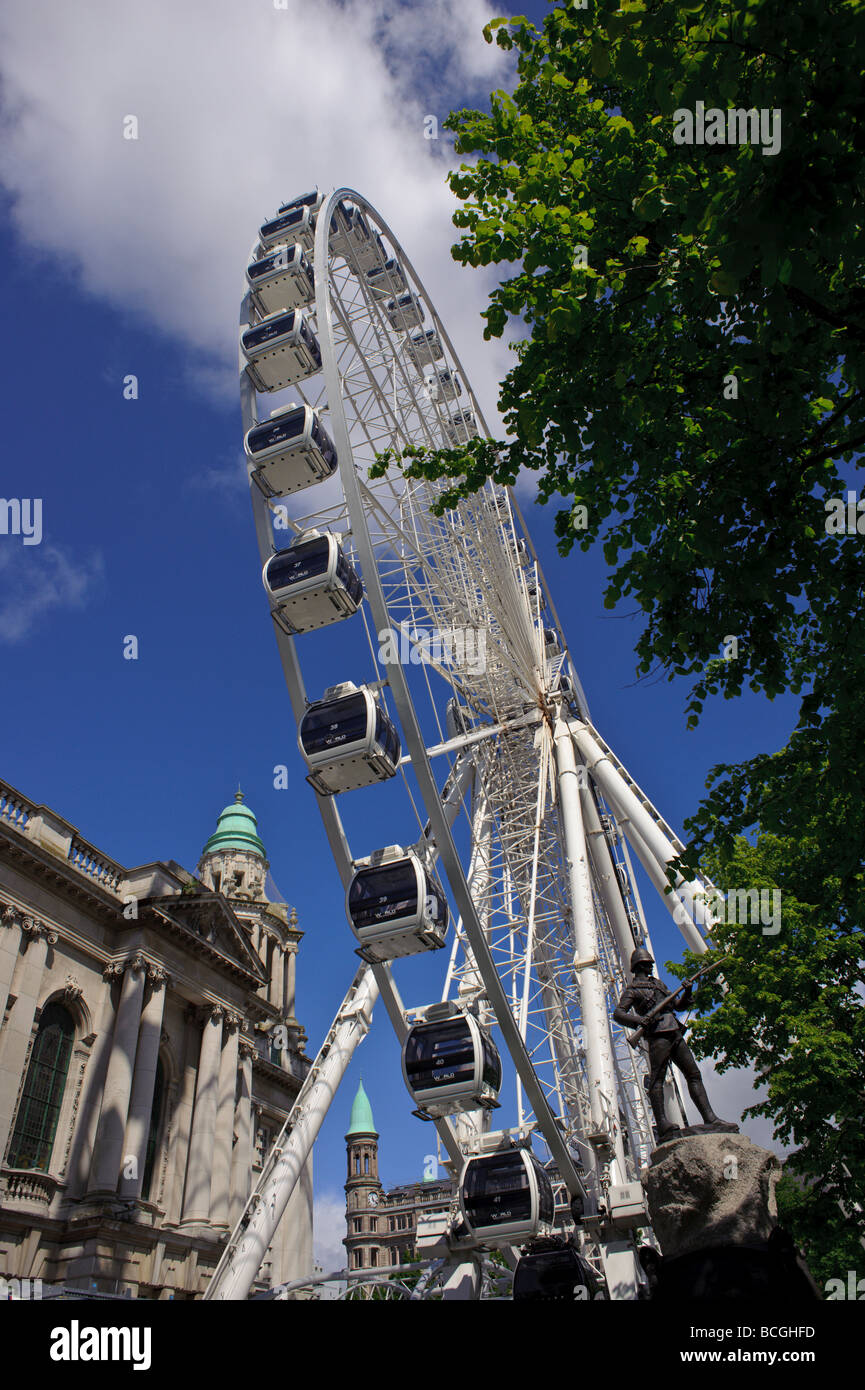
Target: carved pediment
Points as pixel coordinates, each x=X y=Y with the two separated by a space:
x=209 y=917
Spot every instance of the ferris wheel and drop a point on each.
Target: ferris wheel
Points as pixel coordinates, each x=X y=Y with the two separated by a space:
x=505 y=889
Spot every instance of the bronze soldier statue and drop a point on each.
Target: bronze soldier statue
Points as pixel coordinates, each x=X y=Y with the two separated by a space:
x=666 y=1038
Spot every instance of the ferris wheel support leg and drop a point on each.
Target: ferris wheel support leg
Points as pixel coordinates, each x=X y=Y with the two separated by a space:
x=619 y=1257
x=248 y=1243
x=620 y=1270
x=605 y=873
x=675 y=903
x=599 y=1046
x=463 y=1282
x=649 y=841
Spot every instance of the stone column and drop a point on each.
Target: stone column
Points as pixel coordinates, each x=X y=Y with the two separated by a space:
x=196 y=1200
x=278 y=966
x=241 y=1165
x=84 y=1138
x=143 y=1082
x=10 y=947
x=291 y=981
x=108 y=1149
x=179 y=1150
x=26 y=985
x=269 y=952
x=220 y=1184
x=291 y=971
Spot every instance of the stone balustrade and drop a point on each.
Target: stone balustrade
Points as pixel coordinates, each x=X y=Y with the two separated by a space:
x=27 y=1185
x=88 y=860
x=56 y=835
x=14 y=808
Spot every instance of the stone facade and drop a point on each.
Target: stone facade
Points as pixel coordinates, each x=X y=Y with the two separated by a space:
x=149 y=1053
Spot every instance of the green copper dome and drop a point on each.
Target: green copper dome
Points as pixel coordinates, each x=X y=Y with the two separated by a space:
x=361 y=1114
x=236 y=828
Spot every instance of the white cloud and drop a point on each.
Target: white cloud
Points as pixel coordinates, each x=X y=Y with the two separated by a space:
x=329 y=1231
x=239 y=106
x=39 y=578
x=227 y=478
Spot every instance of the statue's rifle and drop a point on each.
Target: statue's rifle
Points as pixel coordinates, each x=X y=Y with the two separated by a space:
x=637 y=1037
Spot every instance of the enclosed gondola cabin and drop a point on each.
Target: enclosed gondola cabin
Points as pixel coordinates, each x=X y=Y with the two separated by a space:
x=405 y=312
x=348 y=740
x=553 y=1271
x=387 y=278
x=506 y=1198
x=458 y=719
x=450 y=1065
x=442 y=384
x=283 y=279
x=497 y=504
x=280 y=350
x=395 y=907
x=424 y=349
x=312 y=200
x=290 y=451
x=311 y=584
x=552 y=649
x=352 y=238
x=294 y=223
x=570 y=695
x=460 y=427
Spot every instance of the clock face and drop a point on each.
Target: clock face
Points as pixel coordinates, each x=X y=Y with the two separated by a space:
x=373 y=1199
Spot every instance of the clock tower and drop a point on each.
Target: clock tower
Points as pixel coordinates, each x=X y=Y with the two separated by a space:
x=363 y=1191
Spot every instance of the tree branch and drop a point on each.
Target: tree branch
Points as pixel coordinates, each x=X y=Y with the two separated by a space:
x=804 y=301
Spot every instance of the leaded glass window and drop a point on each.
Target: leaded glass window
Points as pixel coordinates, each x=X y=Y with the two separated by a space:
x=39 y=1111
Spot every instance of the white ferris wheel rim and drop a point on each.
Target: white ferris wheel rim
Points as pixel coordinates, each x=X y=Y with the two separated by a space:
x=441 y=832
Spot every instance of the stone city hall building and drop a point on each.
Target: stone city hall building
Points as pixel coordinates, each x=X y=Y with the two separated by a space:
x=140 y=1083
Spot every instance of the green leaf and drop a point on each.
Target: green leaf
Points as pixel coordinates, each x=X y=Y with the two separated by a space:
x=600 y=59
x=648 y=205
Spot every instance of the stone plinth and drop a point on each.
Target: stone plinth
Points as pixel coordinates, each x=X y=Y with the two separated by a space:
x=711 y=1190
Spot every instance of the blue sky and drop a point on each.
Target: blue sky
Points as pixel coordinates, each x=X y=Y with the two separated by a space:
x=108 y=269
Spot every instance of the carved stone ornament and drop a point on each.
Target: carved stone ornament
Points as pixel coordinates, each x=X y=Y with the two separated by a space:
x=33 y=928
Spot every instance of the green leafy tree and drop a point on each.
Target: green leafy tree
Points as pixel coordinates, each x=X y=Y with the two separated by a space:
x=817 y=1222
x=790 y=1005
x=689 y=375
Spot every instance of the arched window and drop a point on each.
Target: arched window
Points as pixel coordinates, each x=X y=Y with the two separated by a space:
x=357 y=1164
x=153 y=1131
x=39 y=1111
x=366 y=1164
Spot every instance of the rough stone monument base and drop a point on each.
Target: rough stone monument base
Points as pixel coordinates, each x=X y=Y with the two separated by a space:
x=711 y=1189
x=711 y=1203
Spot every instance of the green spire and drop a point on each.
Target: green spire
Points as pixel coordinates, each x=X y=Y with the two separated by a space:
x=361 y=1115
x=236 y=828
